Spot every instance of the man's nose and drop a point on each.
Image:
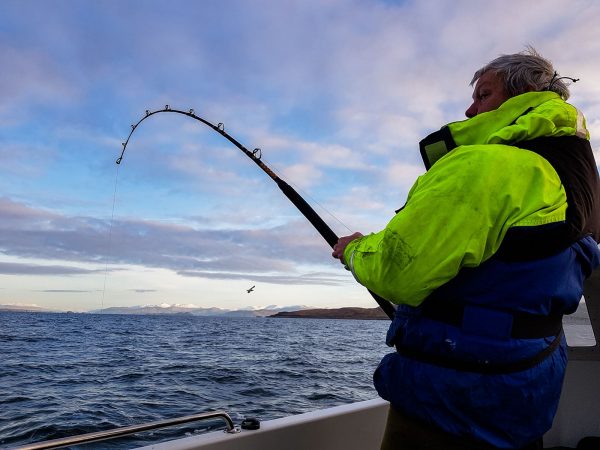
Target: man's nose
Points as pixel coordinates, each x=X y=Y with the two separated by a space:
x=471 y=111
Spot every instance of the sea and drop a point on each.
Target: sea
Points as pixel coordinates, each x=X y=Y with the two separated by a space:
x=64 y=374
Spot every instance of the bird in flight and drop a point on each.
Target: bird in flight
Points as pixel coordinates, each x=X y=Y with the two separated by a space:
x=250 y=290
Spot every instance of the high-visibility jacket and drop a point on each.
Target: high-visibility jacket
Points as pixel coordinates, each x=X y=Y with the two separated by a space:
x=500 y=233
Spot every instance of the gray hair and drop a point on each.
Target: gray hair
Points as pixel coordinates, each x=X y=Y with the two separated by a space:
x=524 y=72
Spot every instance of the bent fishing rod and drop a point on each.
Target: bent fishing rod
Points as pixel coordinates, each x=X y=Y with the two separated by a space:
x=255 y=155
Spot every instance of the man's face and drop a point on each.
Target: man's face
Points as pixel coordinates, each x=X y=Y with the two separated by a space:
x=489 y=94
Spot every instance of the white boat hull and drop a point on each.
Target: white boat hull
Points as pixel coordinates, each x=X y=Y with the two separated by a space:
x=356 y=426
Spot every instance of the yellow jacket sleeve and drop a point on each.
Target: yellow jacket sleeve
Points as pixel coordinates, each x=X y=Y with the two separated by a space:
x=456 y=216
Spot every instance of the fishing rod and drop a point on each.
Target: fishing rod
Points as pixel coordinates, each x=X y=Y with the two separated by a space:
x=255 y=155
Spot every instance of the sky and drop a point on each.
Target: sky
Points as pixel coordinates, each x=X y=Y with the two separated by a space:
x=335 y=93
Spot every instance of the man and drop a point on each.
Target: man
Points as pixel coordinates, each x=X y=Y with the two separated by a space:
x=490 y=250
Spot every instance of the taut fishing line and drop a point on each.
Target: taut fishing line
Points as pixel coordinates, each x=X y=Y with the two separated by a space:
x=255 y=155
x=110 y=227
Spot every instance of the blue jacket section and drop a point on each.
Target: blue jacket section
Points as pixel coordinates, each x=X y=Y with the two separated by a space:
x=470 y=404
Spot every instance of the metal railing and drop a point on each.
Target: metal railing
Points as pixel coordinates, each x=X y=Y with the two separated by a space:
x=124 y=431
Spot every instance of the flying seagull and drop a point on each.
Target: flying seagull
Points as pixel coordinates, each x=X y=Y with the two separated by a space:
x=250 y=290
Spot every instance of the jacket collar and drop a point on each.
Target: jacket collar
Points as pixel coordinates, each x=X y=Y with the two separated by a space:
x=521 y=118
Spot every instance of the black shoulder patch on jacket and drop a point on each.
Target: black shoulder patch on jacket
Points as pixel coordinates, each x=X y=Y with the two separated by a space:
x=436 y=145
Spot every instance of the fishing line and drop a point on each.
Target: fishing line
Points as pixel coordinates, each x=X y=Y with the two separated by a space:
x=109 y=248
x=255 y=155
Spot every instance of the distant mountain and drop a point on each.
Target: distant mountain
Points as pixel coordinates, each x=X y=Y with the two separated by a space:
x=335 y=313
x=268 y=311
x=193 y=311
x=158 y=309
x=26 y=308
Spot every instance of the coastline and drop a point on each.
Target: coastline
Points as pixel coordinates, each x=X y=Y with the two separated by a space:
x=352 y=313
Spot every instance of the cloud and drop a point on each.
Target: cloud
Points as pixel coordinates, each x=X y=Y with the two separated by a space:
x=325 y=279
x=38 y=269
x=33 y=79
x=28 y=232
x=66 y=291
x=305 y=175
x=403 y=175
